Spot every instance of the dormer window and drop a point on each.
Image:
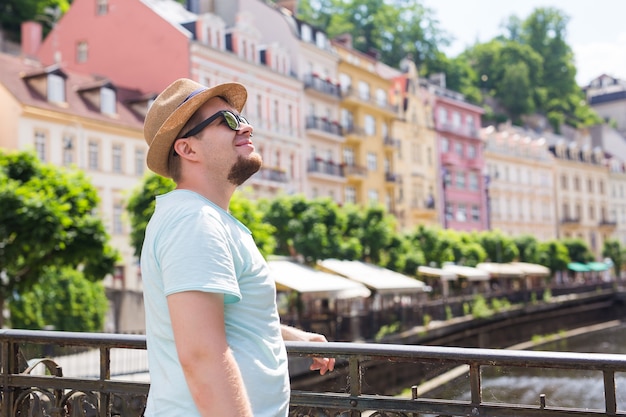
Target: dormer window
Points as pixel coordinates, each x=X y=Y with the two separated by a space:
x=102 y=7
x=56 y=88
x=107 y=100
x=320 y=40
x=305 y=32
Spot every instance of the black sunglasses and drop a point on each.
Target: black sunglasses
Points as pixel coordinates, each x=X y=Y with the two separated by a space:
x=233 y=121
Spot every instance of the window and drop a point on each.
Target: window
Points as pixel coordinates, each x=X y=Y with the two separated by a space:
x=460 y=179
x=564 y=182
x=475 y=213
x=306 y=33
x=40 y=145
x=471 y=151
x=372 y=161
x=348 y=156
x=259 y=106
x=601 y=187
x=94 y=154
x=449 y=211
x=107 y=100
x=381 y=97
x=364 y=91
x=443 y=116
x=116 y=163
x=372 y=196
x=350 y=195
x=276 y=118
x=370 y=125
x=445 y=145
x=592 y=213
x=456 y=119
x=590 y=185
x=118 y=225
x=345 y=82
x=68 y=150
x=140 y=158
x=458 y=148
x=461 y=212
x=576 y=183
x=56 y=88
x=320 y=40
x=102 y=7
x=473 y=181
x=347 y=119
x=82 y=52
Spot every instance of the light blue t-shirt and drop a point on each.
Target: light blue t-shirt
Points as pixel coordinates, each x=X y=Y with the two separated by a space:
x=193 y=245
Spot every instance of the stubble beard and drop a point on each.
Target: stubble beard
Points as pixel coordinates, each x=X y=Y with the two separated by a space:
x=244 y=168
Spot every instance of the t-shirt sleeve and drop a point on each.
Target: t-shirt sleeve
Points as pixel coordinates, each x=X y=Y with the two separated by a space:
x=196 y=255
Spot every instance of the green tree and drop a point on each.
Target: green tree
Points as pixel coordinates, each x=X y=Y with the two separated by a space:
x=63 y=299
x=527 y=247
x=612 y=249
x=14 y=12
x=395 y=29
x=47 y=220
x=499 y=247
x=578 y=250
x=554 y=255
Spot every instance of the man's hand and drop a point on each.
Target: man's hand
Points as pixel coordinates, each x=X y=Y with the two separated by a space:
x=296 y=335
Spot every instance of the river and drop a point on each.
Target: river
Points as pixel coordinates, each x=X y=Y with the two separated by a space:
x=562 y=388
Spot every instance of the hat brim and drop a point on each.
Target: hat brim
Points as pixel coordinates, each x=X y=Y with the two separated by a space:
x=234 y=94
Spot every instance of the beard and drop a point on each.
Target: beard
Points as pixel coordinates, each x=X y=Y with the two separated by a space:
x=244 y=168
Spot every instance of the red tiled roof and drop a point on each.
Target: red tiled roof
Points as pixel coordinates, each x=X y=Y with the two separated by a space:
x=14 y=68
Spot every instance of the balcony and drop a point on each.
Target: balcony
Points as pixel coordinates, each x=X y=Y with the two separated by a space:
x=324 y=125
x=314 y=82
x=53 y=386
x=391 y=142
x=607 y=224
x=353 y=96
x=567 y=220
x=320 y=166
x=390 y=177
x=271 y=174
x=355 y=171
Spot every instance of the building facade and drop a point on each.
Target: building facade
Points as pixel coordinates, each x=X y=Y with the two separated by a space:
x=520 y=198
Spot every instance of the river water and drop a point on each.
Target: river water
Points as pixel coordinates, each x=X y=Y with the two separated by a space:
x=562 y=388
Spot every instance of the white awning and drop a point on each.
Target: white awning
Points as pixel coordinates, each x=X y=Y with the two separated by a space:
x=437 y=272
x=472 y=274
x=294 y=276
x=533 y=269
x=501 y=270
x=384 y=281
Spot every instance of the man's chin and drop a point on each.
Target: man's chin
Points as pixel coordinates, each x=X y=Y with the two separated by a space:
x=244 y=168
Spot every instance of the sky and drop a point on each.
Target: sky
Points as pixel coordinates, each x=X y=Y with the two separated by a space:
x=596 y=31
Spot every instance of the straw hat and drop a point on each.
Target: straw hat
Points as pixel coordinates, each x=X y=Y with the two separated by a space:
x=171 y=110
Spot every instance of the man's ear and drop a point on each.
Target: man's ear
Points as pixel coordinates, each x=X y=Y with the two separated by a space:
x=184 y=148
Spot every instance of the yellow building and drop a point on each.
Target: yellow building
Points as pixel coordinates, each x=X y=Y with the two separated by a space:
x=416 y=157
x=367 y=117
x=582 y=194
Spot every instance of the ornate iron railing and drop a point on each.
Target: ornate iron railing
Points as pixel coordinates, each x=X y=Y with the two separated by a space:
x=41 y=387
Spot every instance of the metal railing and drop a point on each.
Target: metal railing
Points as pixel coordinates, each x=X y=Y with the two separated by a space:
x=26 y=392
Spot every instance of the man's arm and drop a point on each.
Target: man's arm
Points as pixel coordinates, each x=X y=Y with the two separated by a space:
x=296 y=335
x=210 y=369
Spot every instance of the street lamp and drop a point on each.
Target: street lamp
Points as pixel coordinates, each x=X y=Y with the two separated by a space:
x=445 y=180
x=487 y=179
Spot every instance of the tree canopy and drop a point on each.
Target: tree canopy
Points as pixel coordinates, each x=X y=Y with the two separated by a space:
x=47 y=220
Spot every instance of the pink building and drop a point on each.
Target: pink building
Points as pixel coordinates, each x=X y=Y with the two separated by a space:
x=464 y=183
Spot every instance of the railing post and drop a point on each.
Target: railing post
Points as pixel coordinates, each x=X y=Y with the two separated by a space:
x=475 y=383
x=609 y=392
x=105 y=374
x=355 y=382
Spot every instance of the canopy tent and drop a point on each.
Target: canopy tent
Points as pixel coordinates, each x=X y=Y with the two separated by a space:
x=472 y=274
x=533 y=269
x=308 y=281
x=578 y=267
x=383 y=280
x=501 y=270
x=597 y=266
x=436 y=272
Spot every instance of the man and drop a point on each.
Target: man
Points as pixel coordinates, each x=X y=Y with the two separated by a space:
x=215 y=343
